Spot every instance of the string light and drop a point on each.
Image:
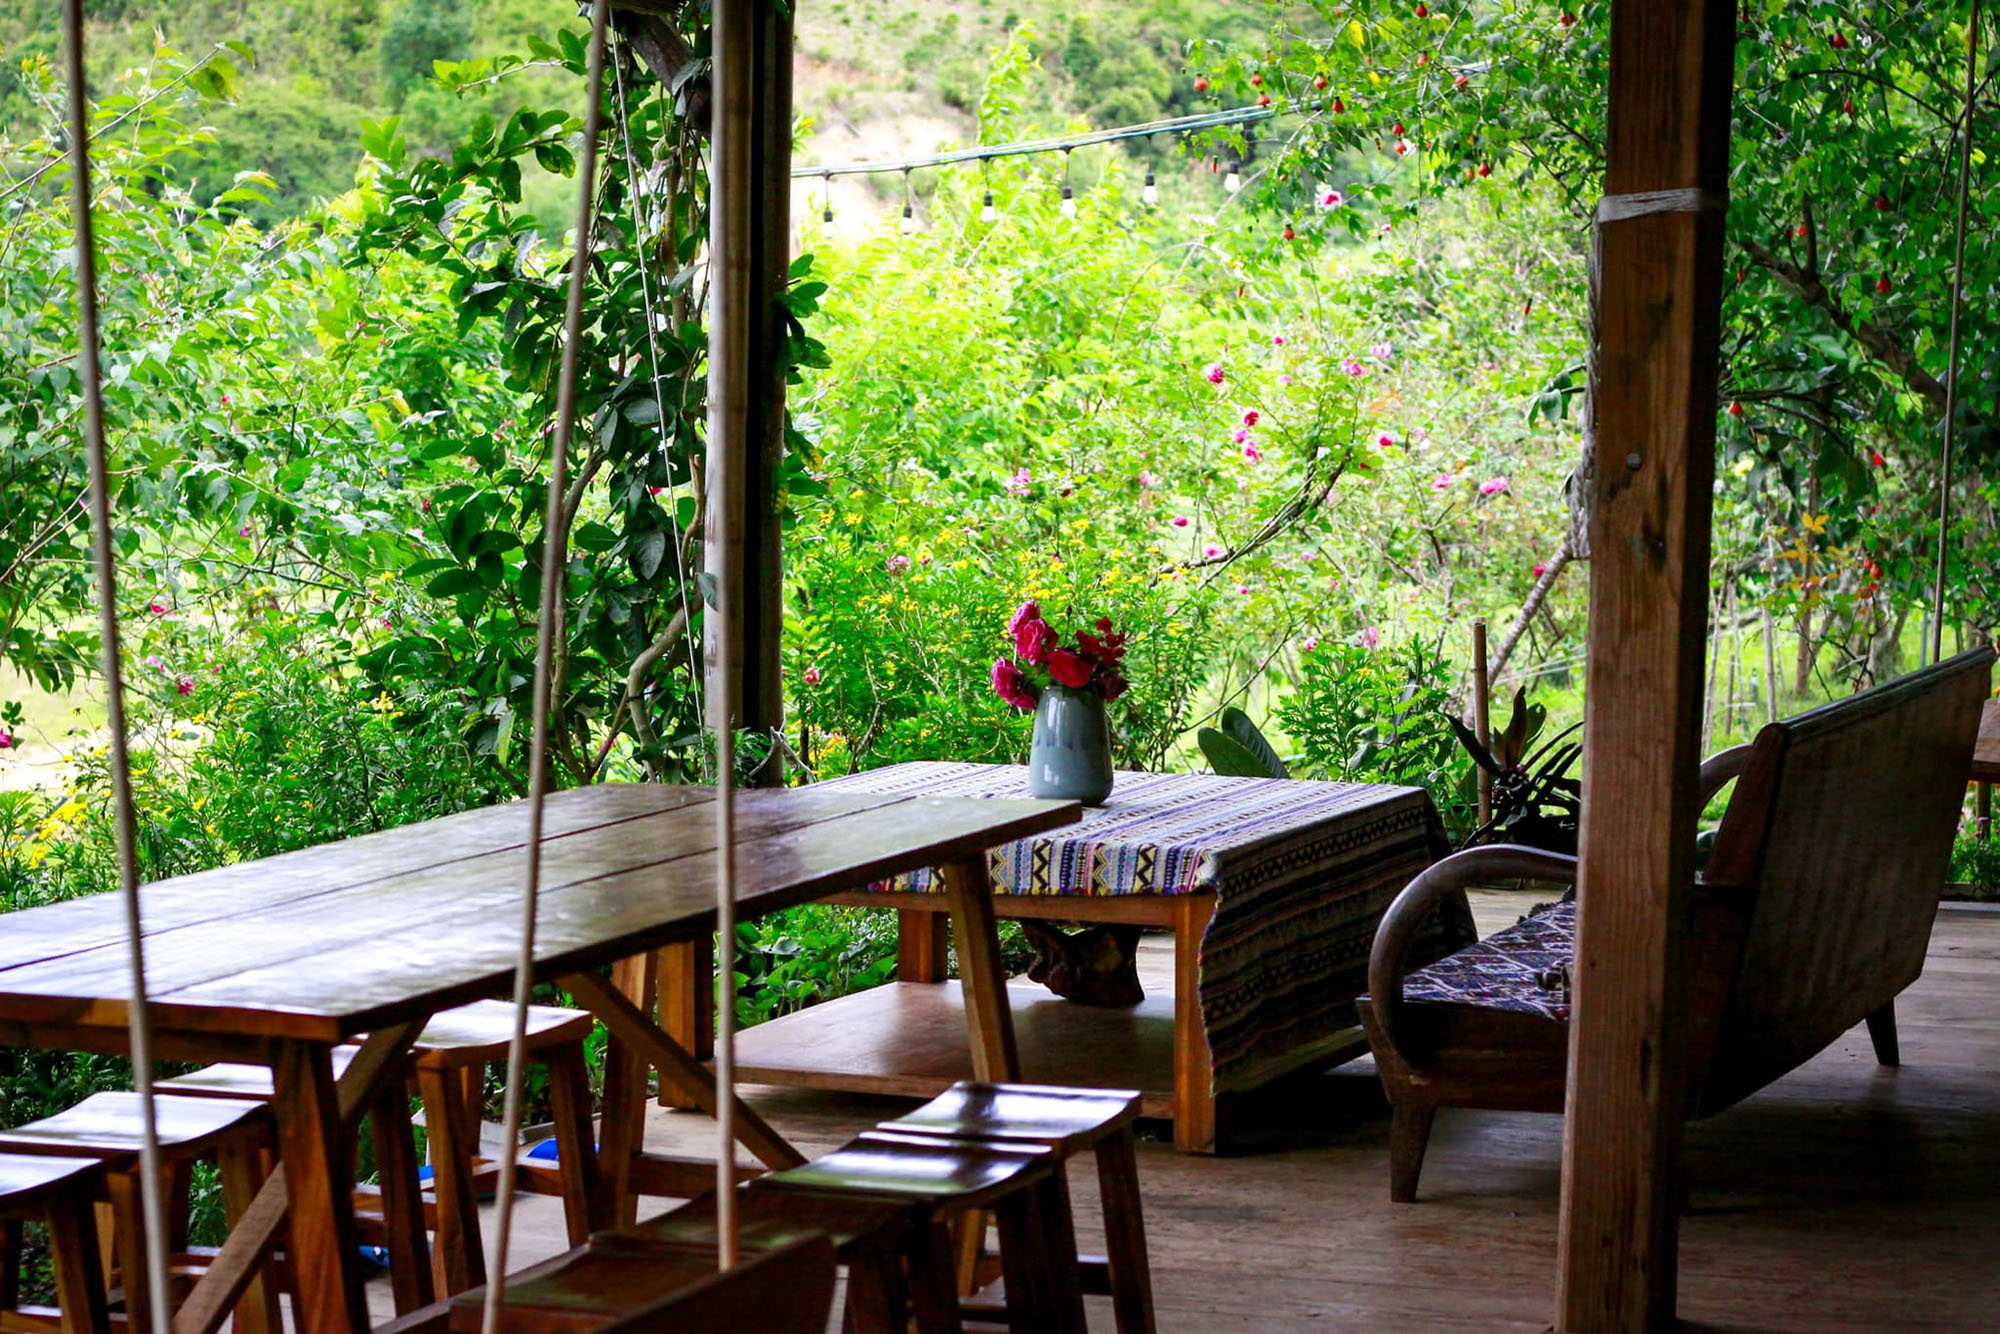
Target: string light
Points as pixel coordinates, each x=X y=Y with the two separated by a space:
x=988 y=213
x=826 y=197
x=1151 y=194
x=909 y=224
x=1234 y=180
x=1068 y=209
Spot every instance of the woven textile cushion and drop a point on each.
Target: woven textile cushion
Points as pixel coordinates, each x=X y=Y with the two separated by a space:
x=1499 y=973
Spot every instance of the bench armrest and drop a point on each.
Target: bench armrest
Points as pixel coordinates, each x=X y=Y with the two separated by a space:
x=1388 y=960
x=1718 y=769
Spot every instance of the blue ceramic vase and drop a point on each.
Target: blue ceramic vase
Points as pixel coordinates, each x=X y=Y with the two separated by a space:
x=1071 y=756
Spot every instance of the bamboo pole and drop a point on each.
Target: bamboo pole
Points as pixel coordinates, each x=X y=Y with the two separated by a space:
x=1770 y=666
x=1482 y=715
x=1735 y=657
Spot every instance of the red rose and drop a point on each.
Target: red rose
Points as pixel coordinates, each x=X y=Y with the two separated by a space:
x=1013 y=687
x=1112 y=682
x=1070 y=670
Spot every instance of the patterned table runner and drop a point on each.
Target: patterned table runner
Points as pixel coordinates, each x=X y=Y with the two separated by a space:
x=1302 y=872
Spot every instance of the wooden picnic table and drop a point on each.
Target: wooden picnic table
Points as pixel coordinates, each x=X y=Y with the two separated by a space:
x=277 y=961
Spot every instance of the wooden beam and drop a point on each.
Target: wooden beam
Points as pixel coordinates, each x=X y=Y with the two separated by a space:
x=770 y=260
x=1659 y=266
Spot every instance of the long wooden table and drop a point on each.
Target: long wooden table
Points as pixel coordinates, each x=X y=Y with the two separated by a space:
x=278 y=961
x=1986 y=767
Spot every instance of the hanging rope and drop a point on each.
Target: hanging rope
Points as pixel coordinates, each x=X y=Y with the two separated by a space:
x=730 y=295
x=139 y=1016
x=1951 y=367
x=548 y=634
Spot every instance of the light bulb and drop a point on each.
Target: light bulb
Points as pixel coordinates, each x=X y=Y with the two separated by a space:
x=987 y=212
x=1234 y=180
x=1151 y=194
x=826 y=214
x=909 y=223
x=1069 y=203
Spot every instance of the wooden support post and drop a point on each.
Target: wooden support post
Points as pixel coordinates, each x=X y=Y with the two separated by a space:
x=1482 y=714
x=923 y=944
x=1659 y=267
x=686 y=972
x=1982 y=811
x=761 y=597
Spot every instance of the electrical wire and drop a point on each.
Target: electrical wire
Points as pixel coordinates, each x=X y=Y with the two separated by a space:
x=1951 y=370
x=1208 y=120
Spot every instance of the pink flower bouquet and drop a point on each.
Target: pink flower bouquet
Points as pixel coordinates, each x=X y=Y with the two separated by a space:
x=1088 y=661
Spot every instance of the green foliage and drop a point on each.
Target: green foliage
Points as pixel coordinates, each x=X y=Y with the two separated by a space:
x=809 y=954
x=1975 y=864
x=1842 y=199
x=1370 y=714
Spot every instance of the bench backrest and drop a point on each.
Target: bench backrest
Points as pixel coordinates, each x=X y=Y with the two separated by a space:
x=1842 y=826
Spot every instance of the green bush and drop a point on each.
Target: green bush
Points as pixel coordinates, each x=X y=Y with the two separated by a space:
x=1369 y=713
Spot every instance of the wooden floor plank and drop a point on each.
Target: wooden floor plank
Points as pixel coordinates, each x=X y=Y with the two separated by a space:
x=1843 y=1197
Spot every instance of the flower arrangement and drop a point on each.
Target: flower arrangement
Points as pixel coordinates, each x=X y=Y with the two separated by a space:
x=1087 y=662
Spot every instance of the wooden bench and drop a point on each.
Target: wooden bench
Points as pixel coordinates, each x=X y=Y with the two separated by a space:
x=616 y=1285
x=1814 y=912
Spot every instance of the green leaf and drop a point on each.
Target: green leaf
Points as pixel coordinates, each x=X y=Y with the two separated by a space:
x=1236 y=725
x=649 y=550
x=452 y=582
x=1230 y=757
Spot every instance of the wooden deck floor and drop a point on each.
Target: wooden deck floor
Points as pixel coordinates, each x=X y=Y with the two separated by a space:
x=1843 y=1197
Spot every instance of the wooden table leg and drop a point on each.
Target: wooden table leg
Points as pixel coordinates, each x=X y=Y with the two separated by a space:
x=686 y=972
x=1195 y=1120
x=968 y=887
x=622 y=1132
x=319 y=1183
x=923 y=944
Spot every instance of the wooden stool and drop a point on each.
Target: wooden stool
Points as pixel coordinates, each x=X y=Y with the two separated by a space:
x=448 y=1064
x=58 y=1192
x=1067 y=1121
x=1018 y=1183
x=108 y=1128
x=449 y=1061
x=392 y=1215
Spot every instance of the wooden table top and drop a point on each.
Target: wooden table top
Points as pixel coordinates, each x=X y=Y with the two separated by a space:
x=1986 y=753
x=332 y=941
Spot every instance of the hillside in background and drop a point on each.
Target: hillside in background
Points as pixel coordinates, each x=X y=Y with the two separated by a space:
x=876 y=77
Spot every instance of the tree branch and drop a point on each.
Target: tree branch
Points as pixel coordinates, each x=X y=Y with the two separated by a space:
x=1807 y=287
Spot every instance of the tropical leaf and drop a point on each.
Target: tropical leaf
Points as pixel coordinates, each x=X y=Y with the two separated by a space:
x=1236 y=725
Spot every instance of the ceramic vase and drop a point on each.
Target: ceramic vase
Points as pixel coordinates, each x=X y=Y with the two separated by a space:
x=1070 y=759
